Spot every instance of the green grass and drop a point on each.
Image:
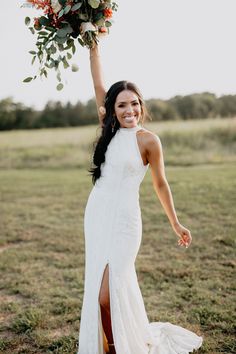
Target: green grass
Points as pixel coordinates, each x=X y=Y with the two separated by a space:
x=187 y=143
x=42 y=247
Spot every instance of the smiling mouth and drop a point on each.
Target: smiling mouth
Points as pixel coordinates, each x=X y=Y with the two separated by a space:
x=129 y=118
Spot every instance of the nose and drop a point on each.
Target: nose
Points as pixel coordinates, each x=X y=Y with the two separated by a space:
x=129 y=109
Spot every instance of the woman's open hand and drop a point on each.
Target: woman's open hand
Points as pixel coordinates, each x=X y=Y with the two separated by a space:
x=184 y=234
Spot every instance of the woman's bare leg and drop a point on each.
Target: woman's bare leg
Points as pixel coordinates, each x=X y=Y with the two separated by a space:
x=104 y=300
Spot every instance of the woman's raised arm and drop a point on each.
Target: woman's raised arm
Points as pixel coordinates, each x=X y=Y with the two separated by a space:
x=98 y=81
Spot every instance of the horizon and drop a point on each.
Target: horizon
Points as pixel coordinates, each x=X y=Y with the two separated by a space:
x=93 y=98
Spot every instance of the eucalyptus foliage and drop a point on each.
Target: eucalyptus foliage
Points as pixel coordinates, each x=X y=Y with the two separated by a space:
x=62 y=24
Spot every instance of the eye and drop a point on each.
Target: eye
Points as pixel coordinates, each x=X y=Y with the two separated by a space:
x=121 y=105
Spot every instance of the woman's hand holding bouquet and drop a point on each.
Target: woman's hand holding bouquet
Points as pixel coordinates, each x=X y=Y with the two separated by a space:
x=60 y=25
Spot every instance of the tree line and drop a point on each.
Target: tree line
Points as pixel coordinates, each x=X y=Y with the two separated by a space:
x=15 y=115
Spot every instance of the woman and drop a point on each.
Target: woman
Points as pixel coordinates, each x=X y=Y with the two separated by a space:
x=113 y=317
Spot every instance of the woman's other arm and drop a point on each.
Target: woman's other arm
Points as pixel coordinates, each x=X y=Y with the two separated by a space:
x=162 y=188
x=98 y=81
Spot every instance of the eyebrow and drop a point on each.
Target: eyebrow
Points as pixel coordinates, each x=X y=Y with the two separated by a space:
x=126 y=101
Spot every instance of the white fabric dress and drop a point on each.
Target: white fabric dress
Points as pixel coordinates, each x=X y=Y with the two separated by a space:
x=113 y=231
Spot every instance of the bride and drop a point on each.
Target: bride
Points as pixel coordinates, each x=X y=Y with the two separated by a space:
x=113 y=316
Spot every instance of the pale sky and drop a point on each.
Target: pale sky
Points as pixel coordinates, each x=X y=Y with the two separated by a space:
x=167 y=47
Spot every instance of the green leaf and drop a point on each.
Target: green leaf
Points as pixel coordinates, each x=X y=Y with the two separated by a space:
x=53 y=49
x=70 y=42
x=101 y=22
x=56 y=62
x=73 y=49
x=32 y=52
x=68 y=28
x=67 y=9
x=60 y=40
x=98 y=16
x=38 y=43
x=108 y=24
x=51 y=29
x=62 y=2
x=61 y=13
x=44 y=21
x=61 y=47
x=61 y=32
x=32 y=30
x=59 y=76
x=27 y=21
x=76 y=6
x=102 y=6
x=69 y=56
x=33 y=60
x=81 y=42
x=52 y=64
x=41 y=38
x=45 y=44
x=28 y=79
x=65 y=63
x=94 y=3
x=74 y=67
x=43 y=33
x=60 y=87
x=40 y=56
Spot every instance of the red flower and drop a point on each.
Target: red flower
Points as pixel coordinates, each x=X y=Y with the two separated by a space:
x=108 y=13
x=40 y=4
x=37 y=24
x=45 y=5
x=36 y=21
x=103 y=29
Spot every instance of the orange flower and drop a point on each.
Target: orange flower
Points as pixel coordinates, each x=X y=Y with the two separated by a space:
x=108 y=13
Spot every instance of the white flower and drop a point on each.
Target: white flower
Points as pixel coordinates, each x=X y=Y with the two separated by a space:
x=56 y=6
x=87 y=26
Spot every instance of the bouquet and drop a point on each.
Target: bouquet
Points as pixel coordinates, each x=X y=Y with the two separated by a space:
x=62 y=23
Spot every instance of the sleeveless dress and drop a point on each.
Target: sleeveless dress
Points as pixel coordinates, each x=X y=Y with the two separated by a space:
x=113 y=232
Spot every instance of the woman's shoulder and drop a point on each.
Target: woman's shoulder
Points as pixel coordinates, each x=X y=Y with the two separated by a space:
x=148 y=137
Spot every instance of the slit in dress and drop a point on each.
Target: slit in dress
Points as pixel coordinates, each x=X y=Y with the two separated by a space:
x=103 y=340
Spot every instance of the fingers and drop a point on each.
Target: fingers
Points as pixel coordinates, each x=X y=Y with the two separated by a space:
x=182 y=243
x=185 y=240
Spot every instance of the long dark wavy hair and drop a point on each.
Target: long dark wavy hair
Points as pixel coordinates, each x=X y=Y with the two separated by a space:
x=101 y=144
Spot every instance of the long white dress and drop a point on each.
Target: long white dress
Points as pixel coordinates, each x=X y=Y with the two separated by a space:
x=113 y=231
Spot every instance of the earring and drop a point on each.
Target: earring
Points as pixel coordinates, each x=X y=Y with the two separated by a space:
x=113 y=124
x=141 y=120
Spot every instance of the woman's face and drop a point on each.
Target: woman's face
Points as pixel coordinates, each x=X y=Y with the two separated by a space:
x=127 y=109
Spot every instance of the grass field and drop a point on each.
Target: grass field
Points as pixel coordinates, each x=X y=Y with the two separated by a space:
x=44 y=186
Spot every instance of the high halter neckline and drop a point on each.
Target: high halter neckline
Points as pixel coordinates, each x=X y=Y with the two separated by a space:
x=130 y=129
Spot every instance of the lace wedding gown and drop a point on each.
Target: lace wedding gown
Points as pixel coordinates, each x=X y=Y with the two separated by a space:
x=113 y=231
